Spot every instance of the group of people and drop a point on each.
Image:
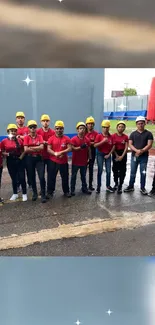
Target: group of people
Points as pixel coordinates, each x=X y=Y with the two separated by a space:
x=28 y=149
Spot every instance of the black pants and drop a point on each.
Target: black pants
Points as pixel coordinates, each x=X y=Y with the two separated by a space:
x=35 y=163
x=91 y=165
x=64 y=173
x=27 y=172
x=47 y=165
x=153 y=183
x=16 y=167
x=1 y=170
x=83 y=170
x=119 y=168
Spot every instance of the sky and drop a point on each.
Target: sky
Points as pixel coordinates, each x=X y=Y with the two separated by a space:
x=116 y=79
x=60 y=291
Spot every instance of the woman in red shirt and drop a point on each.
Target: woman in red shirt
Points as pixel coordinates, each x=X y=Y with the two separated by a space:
x=1 y=170
x=120 y=141
x=12 y=149
x=33 y=147
x=104 y=143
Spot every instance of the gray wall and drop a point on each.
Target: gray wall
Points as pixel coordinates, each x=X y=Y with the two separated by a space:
x=132 y=103
x=66 y=94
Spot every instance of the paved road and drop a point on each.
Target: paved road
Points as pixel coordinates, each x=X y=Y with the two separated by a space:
x=77 y=33
x=105 y=224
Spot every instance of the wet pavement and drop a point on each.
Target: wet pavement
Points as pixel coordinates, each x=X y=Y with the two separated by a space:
x=132 y=210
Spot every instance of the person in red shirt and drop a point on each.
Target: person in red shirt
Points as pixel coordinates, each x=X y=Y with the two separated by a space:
x=46 y=132
x=104 y=143
x=120 y=141
x=80 y=156
x=91 y=135
x=12 y=149
x=58 y=147
x=33 y=146
x=1 y=170
x=22 y=130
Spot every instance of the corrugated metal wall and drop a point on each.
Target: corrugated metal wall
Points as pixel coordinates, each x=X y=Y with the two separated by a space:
x=132 y=103
x=66 y=94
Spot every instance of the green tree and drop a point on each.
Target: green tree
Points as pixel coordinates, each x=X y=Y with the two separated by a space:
x=130 y=92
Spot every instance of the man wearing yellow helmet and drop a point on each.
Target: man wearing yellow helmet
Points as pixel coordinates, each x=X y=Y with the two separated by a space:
x=33 y=146
x=91 y=135
x=12 y=149
x=46 y=132
x=104 y=143
x=81 y=151
x=120 y=156
x=58 y=147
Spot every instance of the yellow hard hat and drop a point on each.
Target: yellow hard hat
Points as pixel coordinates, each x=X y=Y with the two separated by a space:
x=60 y=124
x=11 y=126
x=45 y=117
x=90 y=119
x=80 y=124
x=31 y=122
x=20 y=114
x=121 y=122
x=105 y=123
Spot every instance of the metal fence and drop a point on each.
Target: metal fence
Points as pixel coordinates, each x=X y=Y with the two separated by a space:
x=131 y=103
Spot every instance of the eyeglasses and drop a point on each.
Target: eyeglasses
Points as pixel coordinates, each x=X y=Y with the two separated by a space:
x=32 y=126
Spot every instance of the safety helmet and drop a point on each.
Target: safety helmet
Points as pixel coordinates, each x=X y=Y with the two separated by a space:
x=31 y=122
x=105 y=123
x=20 y=114
x=45 y=117
x=121 y=122
x=80 y=124
x=140 y=118
x=60 y=124
x=90 y=119
x=11 y=126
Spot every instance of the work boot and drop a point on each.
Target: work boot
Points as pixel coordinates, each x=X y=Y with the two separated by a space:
x=34 y=196
x=43 y=198
x=91 y=188
x=143 y=191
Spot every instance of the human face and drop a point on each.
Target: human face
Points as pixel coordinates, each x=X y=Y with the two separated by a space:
x=120 y=128
x=20 y=121
x=81 y=130
x=59 y=130
x=12 y=133
x=90 y=126
x=140 y=125
x=45 y=124
x=105 y=130
x=32 y=129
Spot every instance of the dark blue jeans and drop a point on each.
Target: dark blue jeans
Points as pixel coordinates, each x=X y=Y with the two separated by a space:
x=142 y=162
x=100 y=161
x=83 y=170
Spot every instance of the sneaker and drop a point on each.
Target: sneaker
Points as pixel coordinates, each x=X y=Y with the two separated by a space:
x=115 y=187
x=119 y=190
x=110 y=189
x=14 y=197
x=143 y=191
x=24 y=197
x=34 y=196
x=129 y=189
x=86 y=192
x=43 y=199
x=98 y=190
x=152 y=193
x=68 y=195
x=91 y=188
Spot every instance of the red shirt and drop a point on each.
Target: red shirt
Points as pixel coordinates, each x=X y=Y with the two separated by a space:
x=92 y=135
x=120 y=141
x=59 y=144
x=45 y=135
x=1 y=157
x=9 y=145
x=33 y=142
x=80 y=157
x=22 y=131
x=106 y=146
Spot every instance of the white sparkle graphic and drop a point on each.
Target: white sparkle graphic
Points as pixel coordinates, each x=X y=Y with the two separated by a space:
x=78 y=322
x=28 y=80
x=144 y=172
x=109 y=312
x=122 y=106
x=60 y=1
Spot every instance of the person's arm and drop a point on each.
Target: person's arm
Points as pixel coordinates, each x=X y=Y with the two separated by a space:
x=131 y=146
x=50 y=150
x=89 y=154
x=109 y=154
x=97 y=144
x=148 y=146
x=69 y=148
x=37 y=148
x=119 y=158
x=75 y=148
x=27 y=149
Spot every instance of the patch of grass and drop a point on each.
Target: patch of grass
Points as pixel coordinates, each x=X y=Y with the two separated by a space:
x=131 y=126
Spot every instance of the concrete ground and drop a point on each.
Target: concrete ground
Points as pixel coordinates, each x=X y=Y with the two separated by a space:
x=77 y=33
x=105 y=224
